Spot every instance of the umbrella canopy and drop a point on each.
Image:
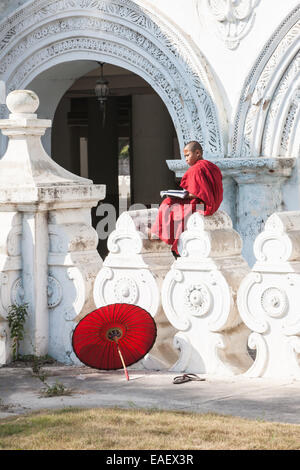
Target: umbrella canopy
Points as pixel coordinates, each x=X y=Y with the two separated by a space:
x=114 y=336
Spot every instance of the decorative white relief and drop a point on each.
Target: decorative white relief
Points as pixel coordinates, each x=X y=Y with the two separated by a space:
x=234 y=19
x=118 y=31
x=183 y=345
x=125 y=290
x=197 y=299
x=268 y=298
x=274 y=302
x=5 y=343
x=174 y=278
x=258 y=343
x=198 y=296
x=73 y=266
x=133 y=273
x=54 y=292
x=17 y=292
x=267 y=114
x=291 y=124
x=78 y=281
x=293 y=345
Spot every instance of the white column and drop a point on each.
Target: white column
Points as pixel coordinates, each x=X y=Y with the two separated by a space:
x=53 y=221
x=35 y=280
x=258 y=196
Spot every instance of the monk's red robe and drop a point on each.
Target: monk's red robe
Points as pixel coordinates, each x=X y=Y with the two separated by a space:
x=203 y=180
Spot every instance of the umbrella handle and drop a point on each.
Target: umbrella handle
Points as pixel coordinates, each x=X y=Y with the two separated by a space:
x=121 y=357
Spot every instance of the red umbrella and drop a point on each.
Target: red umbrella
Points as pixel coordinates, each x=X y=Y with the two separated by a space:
x=114 y=336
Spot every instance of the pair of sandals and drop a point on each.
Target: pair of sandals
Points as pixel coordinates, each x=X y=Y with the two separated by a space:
x=180 y=379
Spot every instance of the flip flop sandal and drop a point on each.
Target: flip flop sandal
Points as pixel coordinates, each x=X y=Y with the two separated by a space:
x=180 y=379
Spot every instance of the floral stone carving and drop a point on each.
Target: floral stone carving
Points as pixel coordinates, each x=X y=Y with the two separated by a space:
x=48 y=246
x=234 y=18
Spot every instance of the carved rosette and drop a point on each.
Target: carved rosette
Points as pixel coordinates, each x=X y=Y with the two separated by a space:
x=5 y=343
x=268 y=298
x=137 y=287
x=274 y=302
x=54 y=292
x=198 y=297
x=17 y=292
x=125 y=290
x=183 y=345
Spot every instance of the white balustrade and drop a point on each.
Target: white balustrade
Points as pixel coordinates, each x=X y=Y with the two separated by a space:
x=206 y=304
x=132 y=273
x=269 y=298
x=199 y=298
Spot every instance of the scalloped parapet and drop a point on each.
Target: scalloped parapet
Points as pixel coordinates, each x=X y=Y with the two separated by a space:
x=199 y=298
x=268 y=298
x=131 y=237
x=279 y=242
x=209 y=238
x=133 y=272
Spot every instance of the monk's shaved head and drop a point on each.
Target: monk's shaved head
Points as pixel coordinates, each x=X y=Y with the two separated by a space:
x=192 y=152
x=193 y=145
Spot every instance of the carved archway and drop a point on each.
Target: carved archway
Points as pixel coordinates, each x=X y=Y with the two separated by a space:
x=268 y=111
x=125 y=33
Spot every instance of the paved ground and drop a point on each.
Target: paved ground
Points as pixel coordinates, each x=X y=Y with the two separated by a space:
x=268 y=400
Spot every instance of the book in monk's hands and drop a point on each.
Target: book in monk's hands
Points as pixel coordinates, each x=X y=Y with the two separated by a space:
x=182 y=193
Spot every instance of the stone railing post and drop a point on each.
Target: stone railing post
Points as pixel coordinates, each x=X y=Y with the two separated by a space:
x=199 y=298
x=133 y=273
x=47 y=241
x=268 y=299
x=10 y=272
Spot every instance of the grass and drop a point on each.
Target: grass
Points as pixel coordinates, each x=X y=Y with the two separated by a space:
x=122 y=429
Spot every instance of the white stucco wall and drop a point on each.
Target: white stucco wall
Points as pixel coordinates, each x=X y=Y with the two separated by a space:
x=230 y=67
x=197 y=19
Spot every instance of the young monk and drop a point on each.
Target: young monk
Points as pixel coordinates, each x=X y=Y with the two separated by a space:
x=203 y=181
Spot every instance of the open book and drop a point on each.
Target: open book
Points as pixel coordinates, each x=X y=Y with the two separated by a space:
x=182 y=193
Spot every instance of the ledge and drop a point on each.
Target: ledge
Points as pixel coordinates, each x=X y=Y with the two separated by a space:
x=235 y=167
x=56 y=196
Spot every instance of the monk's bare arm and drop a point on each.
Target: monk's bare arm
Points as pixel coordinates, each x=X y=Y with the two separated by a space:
x=192 y=196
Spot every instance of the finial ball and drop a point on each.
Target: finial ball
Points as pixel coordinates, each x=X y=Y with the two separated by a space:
x=22 y=101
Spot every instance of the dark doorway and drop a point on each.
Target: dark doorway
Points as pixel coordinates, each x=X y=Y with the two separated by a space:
x=127 y=152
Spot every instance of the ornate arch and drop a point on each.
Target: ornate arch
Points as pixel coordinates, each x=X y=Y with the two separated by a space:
x=125 y=33
x=268 y=111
